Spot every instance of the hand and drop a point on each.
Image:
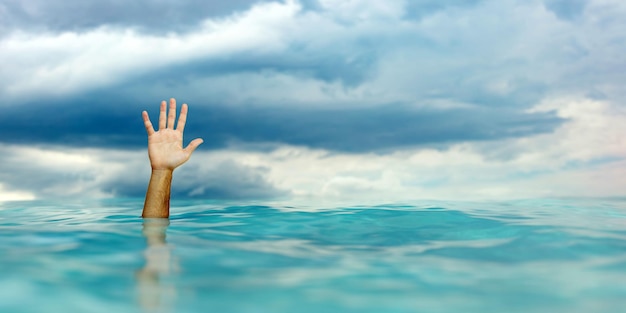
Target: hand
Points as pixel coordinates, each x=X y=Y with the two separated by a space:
x=165 y=146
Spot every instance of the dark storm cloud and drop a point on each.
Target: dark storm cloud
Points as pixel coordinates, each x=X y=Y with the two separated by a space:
x=367 y=129
x=117 y=123
x=228 y=180
x=146 y=15
x=225 y=180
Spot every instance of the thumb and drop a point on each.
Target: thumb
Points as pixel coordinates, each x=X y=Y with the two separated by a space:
x=193 y=145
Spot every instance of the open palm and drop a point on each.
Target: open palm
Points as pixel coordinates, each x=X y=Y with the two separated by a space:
x=165 y=146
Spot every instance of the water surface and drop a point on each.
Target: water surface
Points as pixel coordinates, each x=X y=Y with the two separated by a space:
x=520 y=256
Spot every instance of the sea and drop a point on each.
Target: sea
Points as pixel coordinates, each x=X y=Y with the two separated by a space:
x=539 y=255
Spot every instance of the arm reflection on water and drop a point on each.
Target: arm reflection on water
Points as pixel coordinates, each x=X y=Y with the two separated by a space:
x=166 y=153
x=157 y=293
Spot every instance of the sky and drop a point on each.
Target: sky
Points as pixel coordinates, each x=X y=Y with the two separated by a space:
x=355 y=100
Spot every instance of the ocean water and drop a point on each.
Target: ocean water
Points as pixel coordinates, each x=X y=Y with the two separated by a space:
x=429 y=256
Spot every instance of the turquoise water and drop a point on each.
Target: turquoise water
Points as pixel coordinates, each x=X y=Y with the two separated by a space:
x=521 y=256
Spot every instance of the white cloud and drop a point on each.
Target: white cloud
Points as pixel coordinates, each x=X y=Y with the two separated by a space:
x=461 y=53
x=59 y=64
x=6 y=195
x=596 y=130
x=57 y=172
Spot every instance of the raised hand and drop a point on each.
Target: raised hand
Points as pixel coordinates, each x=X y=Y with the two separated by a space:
x=165 y=146
x=166 y=152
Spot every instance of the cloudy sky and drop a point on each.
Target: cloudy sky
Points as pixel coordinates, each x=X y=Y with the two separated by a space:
x=358 y=100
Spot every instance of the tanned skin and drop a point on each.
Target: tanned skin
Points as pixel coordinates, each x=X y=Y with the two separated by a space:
x=166 y=152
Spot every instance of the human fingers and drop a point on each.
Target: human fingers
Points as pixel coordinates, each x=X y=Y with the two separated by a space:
x=147 y=123
x=193 y=145
x=182 y=119
x=162 y=116
x=171 y=116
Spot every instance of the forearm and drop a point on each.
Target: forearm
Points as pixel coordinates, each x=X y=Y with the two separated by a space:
x=157 y=204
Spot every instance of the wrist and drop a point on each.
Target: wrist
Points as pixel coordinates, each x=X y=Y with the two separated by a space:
x=162 y=173
x=162 y=170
